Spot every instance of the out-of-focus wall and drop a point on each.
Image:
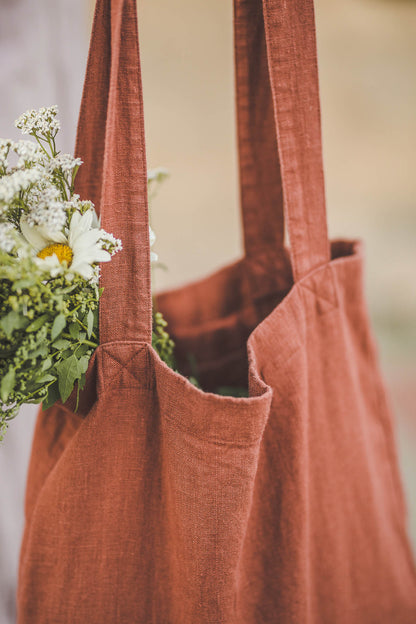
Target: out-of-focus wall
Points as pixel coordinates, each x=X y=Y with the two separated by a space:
x=367 y=54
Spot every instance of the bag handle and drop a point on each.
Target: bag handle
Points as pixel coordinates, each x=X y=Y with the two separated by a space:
x=110 y=141
x=261 y=195
x=279 y=128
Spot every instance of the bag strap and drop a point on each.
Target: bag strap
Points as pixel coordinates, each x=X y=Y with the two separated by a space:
x=110 y=141
x=261 y=195
x=278 y=112
x=279 y=122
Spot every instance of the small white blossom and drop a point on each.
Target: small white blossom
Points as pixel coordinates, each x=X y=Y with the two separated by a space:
x=110 y=243
x=42 y=121
x=65 y=162
x=46 y=208
x=96 y=273
x=7 y=237
x=52 y=216
x=28 y=153
x=20 y=180
x=72 y=204
x=44 y=192
x=5 y=145
x=83 y=206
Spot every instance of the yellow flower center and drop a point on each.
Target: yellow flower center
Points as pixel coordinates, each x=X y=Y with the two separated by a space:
x=62 y=252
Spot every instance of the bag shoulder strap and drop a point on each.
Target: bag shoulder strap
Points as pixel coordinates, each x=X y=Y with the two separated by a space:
x=110 y=141
x=261 y=193
x=278 y=112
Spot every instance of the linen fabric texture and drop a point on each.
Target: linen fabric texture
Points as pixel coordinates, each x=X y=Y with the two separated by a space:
x=162 y=503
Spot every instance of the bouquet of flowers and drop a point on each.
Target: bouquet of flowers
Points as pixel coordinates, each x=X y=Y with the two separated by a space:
x=51 y=244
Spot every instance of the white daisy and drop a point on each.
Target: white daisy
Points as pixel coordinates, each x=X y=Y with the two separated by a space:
x=86 y=245
x=80 y=247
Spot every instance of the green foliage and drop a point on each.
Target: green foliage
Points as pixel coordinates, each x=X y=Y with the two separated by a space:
x=48 y=333
x=165 y=347
x=161 y=341
x=233 y=391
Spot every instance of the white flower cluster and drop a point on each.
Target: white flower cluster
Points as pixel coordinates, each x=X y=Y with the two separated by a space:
x=83 y=205
x=51 y=217
x=16 y=182
x=5 y=145
x=75 y=204
x=39 y=209
x=65 y=162
x=7 y=239
x=42 y=121
x=28 y=153
x=46 y=208
x=110 y=243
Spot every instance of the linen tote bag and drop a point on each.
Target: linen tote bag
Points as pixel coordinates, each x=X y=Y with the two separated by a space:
x=161 y=503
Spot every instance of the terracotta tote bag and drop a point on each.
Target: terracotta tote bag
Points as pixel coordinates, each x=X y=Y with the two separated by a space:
x=161 y=503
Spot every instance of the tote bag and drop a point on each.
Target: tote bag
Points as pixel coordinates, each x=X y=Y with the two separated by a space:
x=162 y=503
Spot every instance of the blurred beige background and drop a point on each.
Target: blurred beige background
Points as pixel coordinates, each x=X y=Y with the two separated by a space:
x=367 y=61
x=367 y=57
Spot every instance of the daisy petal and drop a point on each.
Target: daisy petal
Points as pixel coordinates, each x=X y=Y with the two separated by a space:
x=33 y=235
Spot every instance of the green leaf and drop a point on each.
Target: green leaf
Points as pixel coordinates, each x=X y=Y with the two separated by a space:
x=82 y=350
x=90 y=323
x=52 y=397
x=67 y=290
x=83 y=364
x=23 y=283
x=37 y=323
x=42 y=350
x=7 y=385
x=58 y=326
x=61 y=343
x=81 y=382
x=233 y=391
x=45 y=379
x=68 y=373
x=74 y=330
x=34 y=400
x=46 y=364
x=13 y=320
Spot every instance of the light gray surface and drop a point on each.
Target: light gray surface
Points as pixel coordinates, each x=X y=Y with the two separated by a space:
x=43 y=48
x=14 y=456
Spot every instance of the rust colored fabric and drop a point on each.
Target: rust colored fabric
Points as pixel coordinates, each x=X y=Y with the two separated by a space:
x=162 y=503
